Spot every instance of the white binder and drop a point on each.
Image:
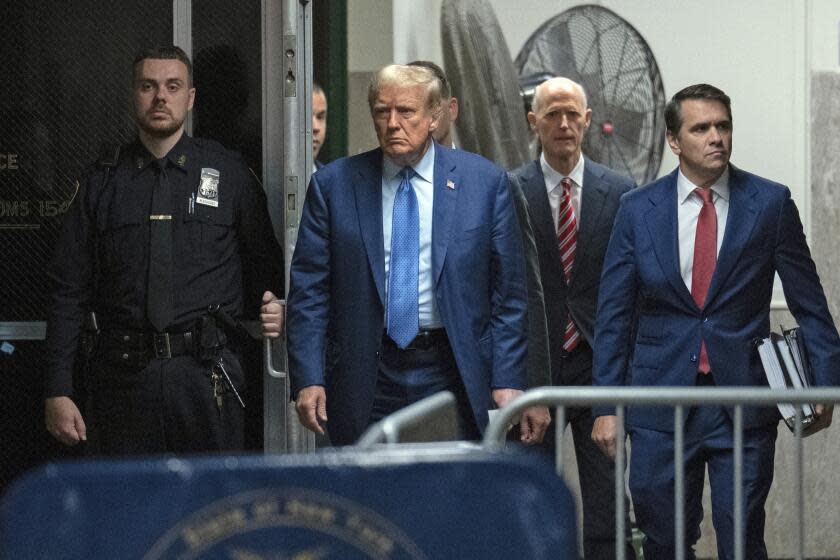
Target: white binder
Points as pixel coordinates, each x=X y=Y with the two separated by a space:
x=785 y=362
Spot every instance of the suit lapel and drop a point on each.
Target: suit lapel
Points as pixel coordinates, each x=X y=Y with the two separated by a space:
x=539 y=209
x=739 y=226
x=662 y=221
x=446 y=188
x=367 y=184
x=593 y=196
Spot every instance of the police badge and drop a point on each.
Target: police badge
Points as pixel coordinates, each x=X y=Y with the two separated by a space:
x=208 y=188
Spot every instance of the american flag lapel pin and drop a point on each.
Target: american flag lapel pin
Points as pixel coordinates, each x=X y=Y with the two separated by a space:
x=450 y=184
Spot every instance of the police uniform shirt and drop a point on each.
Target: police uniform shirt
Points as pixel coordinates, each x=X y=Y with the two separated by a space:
x=222 y=237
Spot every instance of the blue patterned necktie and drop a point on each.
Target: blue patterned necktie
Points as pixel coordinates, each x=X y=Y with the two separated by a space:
x=403 y=321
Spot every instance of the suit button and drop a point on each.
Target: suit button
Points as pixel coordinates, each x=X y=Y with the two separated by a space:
x=125 y=356
x=694 y=357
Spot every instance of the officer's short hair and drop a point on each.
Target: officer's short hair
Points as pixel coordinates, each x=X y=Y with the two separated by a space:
x=164 y=52
x=407 y=76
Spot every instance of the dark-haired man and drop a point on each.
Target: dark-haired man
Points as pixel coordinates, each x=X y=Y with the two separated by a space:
x=157 y=234
x=319 y=124
x=537 y=418
x=685 y=291
x=448 y=104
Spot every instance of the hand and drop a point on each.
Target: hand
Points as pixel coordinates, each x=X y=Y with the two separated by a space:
x=64 y=421
x=822 y=420
x=272 y=316
x=311 y=406
x=503 y=396
x=603 y=434
x=533 y=423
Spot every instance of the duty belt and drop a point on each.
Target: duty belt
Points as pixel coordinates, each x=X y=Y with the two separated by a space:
x=157 y=345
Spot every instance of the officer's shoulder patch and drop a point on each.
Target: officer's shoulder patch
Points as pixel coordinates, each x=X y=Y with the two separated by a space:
x=109 y=155
x=215 y=149
x=93 y=173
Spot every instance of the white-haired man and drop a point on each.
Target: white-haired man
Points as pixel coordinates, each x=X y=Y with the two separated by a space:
x=571 y=203
x=408 y=276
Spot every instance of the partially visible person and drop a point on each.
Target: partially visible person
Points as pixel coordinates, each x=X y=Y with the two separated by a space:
x=572 y=202
x=538 y=365
x=319 y=124
x=686 y=290
x=448 y=102
x=407 y=277
x=158 y=245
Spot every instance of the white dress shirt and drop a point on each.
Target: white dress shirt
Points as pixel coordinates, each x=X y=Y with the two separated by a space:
x=689 y=204
x=555 y=190
x=423 y=184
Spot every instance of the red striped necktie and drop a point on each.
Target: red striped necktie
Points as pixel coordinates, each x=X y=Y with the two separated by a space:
x=705 y=259
x=567 y=243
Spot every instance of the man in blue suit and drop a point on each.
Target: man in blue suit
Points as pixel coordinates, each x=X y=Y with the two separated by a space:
x=537 y=365
x=685 y=290
x=408 y=275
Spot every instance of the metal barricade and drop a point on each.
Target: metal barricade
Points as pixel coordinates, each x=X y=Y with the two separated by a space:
x=679 y=398
x=431 y=419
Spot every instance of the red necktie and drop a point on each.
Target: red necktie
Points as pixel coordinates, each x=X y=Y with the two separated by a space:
x=705 y=258
x=567 y=242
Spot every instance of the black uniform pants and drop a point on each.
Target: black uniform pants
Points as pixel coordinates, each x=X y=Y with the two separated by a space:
x=163 y=406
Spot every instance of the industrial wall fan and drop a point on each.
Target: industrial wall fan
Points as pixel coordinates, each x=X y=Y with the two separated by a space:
x=591 y=45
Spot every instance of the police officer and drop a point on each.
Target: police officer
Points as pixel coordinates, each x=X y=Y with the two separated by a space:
x=171 y=229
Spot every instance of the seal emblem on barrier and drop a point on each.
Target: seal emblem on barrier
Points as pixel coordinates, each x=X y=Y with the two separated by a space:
x=285 y=524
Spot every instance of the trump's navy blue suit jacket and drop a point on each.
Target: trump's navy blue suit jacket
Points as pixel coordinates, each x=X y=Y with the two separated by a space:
x=763 y=236
x=336 y=302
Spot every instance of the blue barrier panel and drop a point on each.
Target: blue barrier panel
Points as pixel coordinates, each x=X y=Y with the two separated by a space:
x=389 y=504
